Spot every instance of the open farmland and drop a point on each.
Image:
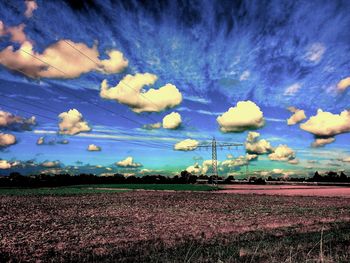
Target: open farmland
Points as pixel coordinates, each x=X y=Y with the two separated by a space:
x=150 y=226
x=288 y=190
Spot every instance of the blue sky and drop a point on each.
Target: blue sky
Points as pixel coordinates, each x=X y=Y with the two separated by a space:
x=276 y=54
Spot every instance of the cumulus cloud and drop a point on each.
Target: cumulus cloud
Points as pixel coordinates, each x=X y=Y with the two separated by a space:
x=245 y=116
x=343 y=84
x=64 y=141
x=201 y=169
x=72 y=122
x=16 y=32
x=319 y=142
x=152 y=126
x=315 y=52
x=50 y=164
x=13 y=122
x=4 y=164
x=293 y=161
x=93 y=148
x=239 y=161
x=224 y=167
x=31 y=5
x=245 y=75
x=251 y=157
x=277 y=171
x=40 y=141
x=298 y=116
x=282 y=153
x=129 y=91
x=326 y=124
x=172 y=121
x=66 y=62
x=128 y=162
x=194 y=169
x=186 y=145
x=7 y=140
x=345 y=159
x=255 y=146
x=291 y=90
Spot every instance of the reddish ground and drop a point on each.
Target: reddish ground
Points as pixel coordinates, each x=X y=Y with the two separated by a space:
x=288 y=190
x=37 y=227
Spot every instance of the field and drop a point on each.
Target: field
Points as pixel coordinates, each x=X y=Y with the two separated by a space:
x=289 y=190
x=101 y=188
x=169 y=226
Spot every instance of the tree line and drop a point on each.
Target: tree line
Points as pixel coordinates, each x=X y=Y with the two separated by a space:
x=15 y=179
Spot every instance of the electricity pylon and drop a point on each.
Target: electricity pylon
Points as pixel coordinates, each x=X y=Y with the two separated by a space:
x=214 y=160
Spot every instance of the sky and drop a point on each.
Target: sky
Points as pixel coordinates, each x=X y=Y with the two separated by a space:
x=135 y=87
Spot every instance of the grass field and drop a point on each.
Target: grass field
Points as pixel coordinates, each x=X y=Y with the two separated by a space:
x=159 y=226
x=171 y=187
x=101 y=188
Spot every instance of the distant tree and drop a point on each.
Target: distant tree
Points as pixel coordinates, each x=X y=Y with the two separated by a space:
x=185 y=175
x=229 y=179
x=192 y=179
x=317 y=177
x=343 y=177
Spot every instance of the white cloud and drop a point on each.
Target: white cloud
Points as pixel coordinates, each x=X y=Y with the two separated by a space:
x=197 y=99
x=72 y=122
x=315 y=52
x=245 y=75
x=14 y=122
x=7 y=140
x=16 y=32
x=277 y=171
x=129 y=92
x=93 y=148
x=194 y=169
x=255 y=146
x=64 y=59
x=251 y=157
x=224 y=167
x=128 y=162
x=298 y=116
x=186 y=145
x=50 y=164
x=245 y=116
x=40 y=141
x=152 y=126
x=282 y=153
x=4 y=165
x=291 y=90
x=346 y=159
x=239 y=161
x=200 y=169
x=172 y=121
x=31 y=5
x=326 y=124
x=293 y=161
x=319 y=142
x=343 y=84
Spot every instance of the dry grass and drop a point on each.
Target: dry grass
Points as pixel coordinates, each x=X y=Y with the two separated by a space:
x=174 y=227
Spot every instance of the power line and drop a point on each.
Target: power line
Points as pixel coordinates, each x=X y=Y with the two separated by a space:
x=154 y=145
x=72 y=94
x=42 y=61
x=101 y=107
x=88 y=57
x=28 y=112
x=30 y=104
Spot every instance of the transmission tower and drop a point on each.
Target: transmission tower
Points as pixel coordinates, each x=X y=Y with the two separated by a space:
x=214 y=160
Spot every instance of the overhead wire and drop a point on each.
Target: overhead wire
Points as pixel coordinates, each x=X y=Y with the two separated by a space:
x=95 y=104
